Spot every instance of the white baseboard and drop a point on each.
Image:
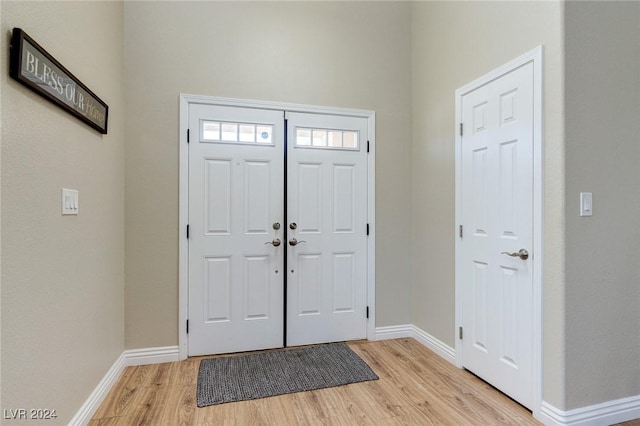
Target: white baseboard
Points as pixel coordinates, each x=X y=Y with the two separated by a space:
x=437 y=346
x=393 y=332
x=151 y=355
x=410 y=330
x=90 y=406
x=606 y=413
x=128 y=358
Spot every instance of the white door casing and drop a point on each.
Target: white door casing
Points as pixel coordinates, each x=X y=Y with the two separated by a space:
x=226 y=160
x=327 y=209
x=498 y=185
x=235 y=296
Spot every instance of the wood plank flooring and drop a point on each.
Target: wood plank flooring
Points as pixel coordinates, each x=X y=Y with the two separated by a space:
x=416 y=387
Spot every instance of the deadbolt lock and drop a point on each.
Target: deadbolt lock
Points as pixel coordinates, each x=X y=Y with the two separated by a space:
x=293 y=225
x=276 y=225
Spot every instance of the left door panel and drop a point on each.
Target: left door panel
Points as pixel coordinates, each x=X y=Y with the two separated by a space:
x=236 y=174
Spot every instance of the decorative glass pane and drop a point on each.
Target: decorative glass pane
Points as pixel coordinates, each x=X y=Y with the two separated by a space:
x=319 y=137
x=230 y=132
x=303 y=137
x=247 y=133
x=335 y=139
x=350 y=139
x=211 y=130
x=325 y=138
x=264 y=134
x=237 y=132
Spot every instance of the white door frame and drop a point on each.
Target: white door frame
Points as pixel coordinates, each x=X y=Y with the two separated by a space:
x=534 y=56
x=183 y=197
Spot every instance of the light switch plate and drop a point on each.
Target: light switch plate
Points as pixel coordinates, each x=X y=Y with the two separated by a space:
x=69 y=201
x=586 y=204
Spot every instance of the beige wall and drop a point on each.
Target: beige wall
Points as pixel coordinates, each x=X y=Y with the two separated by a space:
x=354 y=55
x=62 y=277
x=454 y=43
x=602 y=45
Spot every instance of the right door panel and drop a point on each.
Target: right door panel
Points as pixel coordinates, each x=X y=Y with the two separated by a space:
x=327 y=240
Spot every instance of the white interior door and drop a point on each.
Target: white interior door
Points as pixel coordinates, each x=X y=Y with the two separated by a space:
x=497 y=218
x=236 y=172
x=327 y=228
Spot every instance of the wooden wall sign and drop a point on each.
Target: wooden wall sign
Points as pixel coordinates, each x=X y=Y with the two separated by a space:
x=35 y=68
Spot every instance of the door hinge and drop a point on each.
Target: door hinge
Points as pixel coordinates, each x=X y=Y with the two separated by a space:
x=461 y=127
x=367 y=229
x=460 y=231
x=367 y=146
x=367 y=312
x=187 y=231
x=188 y=136
x=187 y=326
x=460 y=333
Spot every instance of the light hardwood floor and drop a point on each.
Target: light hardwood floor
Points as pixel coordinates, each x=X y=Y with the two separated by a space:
x=416 y=387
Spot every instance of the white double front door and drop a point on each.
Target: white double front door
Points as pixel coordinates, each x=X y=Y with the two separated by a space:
x=277 y=243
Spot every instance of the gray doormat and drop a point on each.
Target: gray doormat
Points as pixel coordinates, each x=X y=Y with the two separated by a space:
x=242 y=377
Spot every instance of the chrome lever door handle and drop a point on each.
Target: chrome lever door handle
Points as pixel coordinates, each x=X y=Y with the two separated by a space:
x=522 y=254
x=275 y=242
x=294 y=242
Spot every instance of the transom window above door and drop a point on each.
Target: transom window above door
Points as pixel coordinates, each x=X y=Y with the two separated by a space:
x=327 y=139
x=241 y=133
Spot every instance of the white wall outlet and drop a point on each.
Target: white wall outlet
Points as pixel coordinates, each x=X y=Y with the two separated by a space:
x=69 y=201
x=586 y=204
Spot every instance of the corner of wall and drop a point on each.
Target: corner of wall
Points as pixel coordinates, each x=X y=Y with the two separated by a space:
x=602 y=136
